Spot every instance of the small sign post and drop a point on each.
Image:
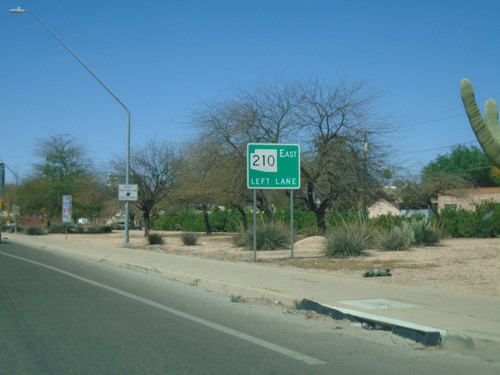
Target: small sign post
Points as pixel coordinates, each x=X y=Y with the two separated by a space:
x=67 y=204
x=127 y=192
x=272 y=166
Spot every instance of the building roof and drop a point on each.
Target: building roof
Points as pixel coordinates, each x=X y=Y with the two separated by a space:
x=473 y=191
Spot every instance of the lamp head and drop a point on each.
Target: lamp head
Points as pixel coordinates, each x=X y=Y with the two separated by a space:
x=18 y=10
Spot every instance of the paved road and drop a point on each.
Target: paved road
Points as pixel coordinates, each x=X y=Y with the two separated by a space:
x=61 y=314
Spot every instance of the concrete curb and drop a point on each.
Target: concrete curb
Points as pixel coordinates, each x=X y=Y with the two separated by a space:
x=428 y=336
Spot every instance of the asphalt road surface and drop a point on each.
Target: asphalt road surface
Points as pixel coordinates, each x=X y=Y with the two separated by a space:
x=67 y=315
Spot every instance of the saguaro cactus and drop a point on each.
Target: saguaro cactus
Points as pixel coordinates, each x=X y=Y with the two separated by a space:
x=486 y=129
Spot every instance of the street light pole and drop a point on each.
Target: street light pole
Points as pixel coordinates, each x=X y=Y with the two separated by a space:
x=15 y=196
x=127 y=163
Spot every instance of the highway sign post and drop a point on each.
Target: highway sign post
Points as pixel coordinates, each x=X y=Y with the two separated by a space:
x=272 y=166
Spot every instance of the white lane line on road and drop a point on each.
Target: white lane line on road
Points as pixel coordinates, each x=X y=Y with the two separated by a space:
x=229 y=331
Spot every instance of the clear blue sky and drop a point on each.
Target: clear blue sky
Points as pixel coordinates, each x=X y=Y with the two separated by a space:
x=165 y=58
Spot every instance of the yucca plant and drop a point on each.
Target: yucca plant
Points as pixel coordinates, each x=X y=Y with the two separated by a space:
x=425 y=233
x=349 y=239
x=398 y=238
x=271 y=236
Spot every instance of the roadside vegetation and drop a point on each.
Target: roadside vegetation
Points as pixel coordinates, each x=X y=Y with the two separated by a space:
x=200 y=187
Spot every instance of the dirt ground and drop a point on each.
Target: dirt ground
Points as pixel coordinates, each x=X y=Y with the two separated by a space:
x=464 y=265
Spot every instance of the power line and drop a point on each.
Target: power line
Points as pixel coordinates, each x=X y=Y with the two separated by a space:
x=437 y=148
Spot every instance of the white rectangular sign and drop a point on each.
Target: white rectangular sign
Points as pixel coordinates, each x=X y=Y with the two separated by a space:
x=127 y=192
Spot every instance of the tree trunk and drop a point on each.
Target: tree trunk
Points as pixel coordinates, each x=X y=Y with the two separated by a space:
x=320 y=218
x=208 y=227
x=147 y=223
x=319 y=211
x=244 y=219
x=263 y=206
x=435 y=209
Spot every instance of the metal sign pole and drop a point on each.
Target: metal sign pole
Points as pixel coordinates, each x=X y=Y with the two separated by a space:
x=254 y=225
x=291 y=222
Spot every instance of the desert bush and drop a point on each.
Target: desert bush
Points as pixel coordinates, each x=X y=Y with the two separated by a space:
x=189 y=238
x=425 y=233
x=349 y=239
x=399 y=237
x=34 y=231
x=240 y=239
x=272 y=236
x=155 y=239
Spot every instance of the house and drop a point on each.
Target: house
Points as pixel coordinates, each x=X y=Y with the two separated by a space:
x=467 y=199
x=382 y=207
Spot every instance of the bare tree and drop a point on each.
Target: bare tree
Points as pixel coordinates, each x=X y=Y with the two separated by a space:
x=155 y=168
x=343 y=152
x=341 y=139
x=262 y=115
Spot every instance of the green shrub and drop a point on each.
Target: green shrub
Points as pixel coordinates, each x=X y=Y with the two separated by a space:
x=189 y=239
x=387 y=222
x=489 y=215
x=224 y=220
x=302 y=220
x=425 y=233
x=351 y=216
x=34 y=231
x=58 y=228
x=189 y=221
x=99 y=229
x=79 y=229
x=398 y=238
x=155 y=239
x=482 y=223
x=272 y=236
x=349 y=239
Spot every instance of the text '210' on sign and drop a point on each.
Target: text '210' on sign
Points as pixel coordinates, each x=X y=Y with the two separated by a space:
x=273 y=166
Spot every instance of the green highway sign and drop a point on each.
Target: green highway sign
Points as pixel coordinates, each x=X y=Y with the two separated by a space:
x=273 y=166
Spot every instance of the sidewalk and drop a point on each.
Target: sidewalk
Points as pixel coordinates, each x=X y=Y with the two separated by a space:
x=459 y=322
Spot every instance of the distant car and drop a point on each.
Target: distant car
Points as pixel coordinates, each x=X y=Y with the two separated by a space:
x=121 y=225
